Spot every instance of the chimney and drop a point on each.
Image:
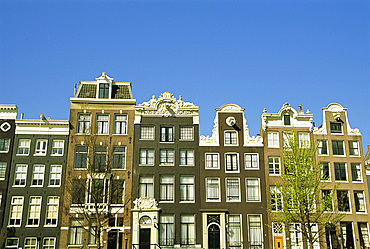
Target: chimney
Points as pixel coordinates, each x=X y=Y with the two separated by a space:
x=22 y=114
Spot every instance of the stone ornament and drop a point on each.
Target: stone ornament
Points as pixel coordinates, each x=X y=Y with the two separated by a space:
x=145 y=203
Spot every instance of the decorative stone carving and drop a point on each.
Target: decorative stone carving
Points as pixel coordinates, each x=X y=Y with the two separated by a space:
x=230 y=121
x=167 y=106
x=230 y=108
x=145 y=203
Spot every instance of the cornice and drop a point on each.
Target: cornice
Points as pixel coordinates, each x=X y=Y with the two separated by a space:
x=102 y=101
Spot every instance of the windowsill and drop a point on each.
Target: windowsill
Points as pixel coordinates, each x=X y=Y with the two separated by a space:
x=50 y=225
x=227 y=145
x=354 y=156
x=185 y=140
x=80 y=168
x=357 y=181
x=13 y=225
x=252 y=168
x=32 y=226
x=39 y=154
x=167 y=201
x=22 y=154
x=119 y=169
x=167 y=142
x=82 y=134
x=184 y=202
x=275 y=174
x=230 y=172
x=74 y=245
x=103 y=134
x=273 y=147
x=212 y=168
x=346 y=181
x=336 y=133
x=213 y=200
x=149 y=165
x=146 y=139
x=19 y=186
x=361 y=212
x=323 y=154
x=119 y=134
x=339 y=155
x=186 y=165
x=254 y=201
x=238 y=201
x=56 y=155
x=54 y=186
x=4 y=151
x=165 y=165
x=36 y=186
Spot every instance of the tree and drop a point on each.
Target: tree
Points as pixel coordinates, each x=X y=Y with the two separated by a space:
x=304 y=198
x=97 y=195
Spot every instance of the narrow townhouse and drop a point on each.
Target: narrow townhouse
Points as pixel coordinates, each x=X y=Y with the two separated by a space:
x=97 y=199
x=33 y=213
x=8 y=114
x=166 y=199
x=340 y=152
x=232 y=184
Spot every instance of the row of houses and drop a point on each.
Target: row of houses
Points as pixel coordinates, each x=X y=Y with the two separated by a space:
x=121 y=175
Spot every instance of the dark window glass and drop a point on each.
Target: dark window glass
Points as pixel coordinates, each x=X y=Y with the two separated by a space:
x=80 y=157
x=337 y=147
x=343 y=201
x=286 y=119
x=340 y=172
x=325 y=171
x=117 y=192
x=78 y=191
x=166 y=134
x=336 y=127
x=103 y=90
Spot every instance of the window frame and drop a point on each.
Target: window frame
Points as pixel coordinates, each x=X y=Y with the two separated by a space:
x=166 y=227
x=149 y=133
x=184 y=133
x=35 y=221
x=258 y=189
x=358 y=202
x=249 y=229
x=273 y=142
x=121 y=124
x=41 y=152
x=103 y=91
x=167 y=134
x=189 y=241
x=38 y=174
x=24 y=147
x=304 y=140
x=18 y=212
x=274 y=164
x=189 y=198
x=276 y=196
x=102 y=125
x=231 y=155
x=329 y=179
x=188 y=158
x=287 y=135
x=237 y=225
x=228 y=190
x=359 y=170
x=212 y=161
x=147 y=157
x=48 y=246
x=352 y=149
x=340 y=171
x=208 y=198
x=23 y=174
x=335 y=131
x=57 y=148
x=11 y=246
x=83 y=123
x=122 y=158
x=3 y=167
x=338 y=149
x=229 y=140
x=83 y=155
x=251 y=161
x=320 y=147
x=4 y=145
x=349 y=201
x=75 y=230
x=58 y=175
x=166 y=160
x=149 y=186
x=52 y=212
x=30 y=246
x=168 y=195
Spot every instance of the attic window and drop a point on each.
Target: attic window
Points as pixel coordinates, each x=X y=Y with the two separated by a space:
x=335 y=127
x=286 y=119
x=103 y=90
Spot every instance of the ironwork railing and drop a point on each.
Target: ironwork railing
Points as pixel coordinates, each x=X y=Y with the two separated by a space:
x=151 y=246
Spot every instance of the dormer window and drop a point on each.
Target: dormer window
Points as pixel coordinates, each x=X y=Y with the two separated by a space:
x=286 y=119
x=104 y=90
x=335 y=127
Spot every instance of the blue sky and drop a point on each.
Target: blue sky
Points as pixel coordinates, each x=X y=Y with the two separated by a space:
x=257 y=54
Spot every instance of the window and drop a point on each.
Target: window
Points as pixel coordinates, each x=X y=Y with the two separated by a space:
x=146 y=188
x=338 y=148
x=118 y=191
x=166 y=188
x=12 y=243
x=38 y=175
x=304 y=139
x=327 y=200
x=232 y=162
x=58 y=147
x=231 y=138
x=34 y=211
x=255 y=231
x=287 y=139
x=347 y=235
x=232 y=189
x=55 y=175
x=359 y=201
x=93 y=230
x=323 y=147
x=2 y=170
x=104 y=90
x=211 y=161
x=273 y=139
x=187 y=230
x=166 y=157
x=102 y=124
x=274 y=165
x=356 y=172
x=100 y=158
x=166 y=134
x=187 y=157
x=325 y=171
x=78 y=191
x=147 y=132
x=335 y=127
x=20 y=175
x=52 y=211
x=340 y=172
x=354 y=148
x=30 y=243
x=84 y=122
x=295 y=236
x=98 y=189
x=286 y=119
x=4 y=145
x=120 y=124
x=253 y=189
x=166 y=230
x=363 y=232
x=343 y=201
x=41 y=147
x=186 y=188
x=235 y=239
x=16 y=208
x=49 y=243
x=119 y=157
x=276 y=199
x=80 y=157
x=251 y=161
x=186 y=133
x=213 y=189
x=24 y=147
x=146 y=157
x=76 y=232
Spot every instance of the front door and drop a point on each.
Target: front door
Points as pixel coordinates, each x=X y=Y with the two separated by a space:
x=114 y=239
x=213 y=237
x=144 y=240
x=279 y=242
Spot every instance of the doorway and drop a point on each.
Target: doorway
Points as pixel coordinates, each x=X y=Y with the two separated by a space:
x=144 y=239
x=279 y=242
x=114 y=239
x=213 y=237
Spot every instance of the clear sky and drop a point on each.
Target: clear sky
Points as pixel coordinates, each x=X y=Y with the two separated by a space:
x=257 y=54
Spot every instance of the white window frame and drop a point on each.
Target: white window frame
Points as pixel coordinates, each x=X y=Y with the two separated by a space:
x=344 y=148
x=251 y=156
x=52 y=208
x=121 y=155
x=273 y=139
x=19 y=211
x=249 y=227
x=258 y=191
x=274 y=163
x=363 y=201
x=49 y=246
x=189 y=157
x=55 y=175
x=355 y=148
x=304 y=139
x=228 y=140
x=41 y=151
x=330 y=177
x=149 y=186
x=20 y=175
x=165 y=135
x=32 y=211
x=83 y=123
x=38 y=173
x=3 y=166
x=5 y=143
x=319 y=148
x=346 y=170
x=24 y=144
x=287 y=135
x=148 y=131
x=367 y=242
x=218 y=199
x=166 y=230
x=212 y=161
x=147 y=156
x=76 y=230
x=186 y=129
x=32 y=245
x=102 y=125
x=229 y=190
x=12 y=246
x=120 y=124
x=189 y=220
x=297 y=234
x=274 y=190
x=359 y=170
x=349 y=201
x=227 y=154
x=58 y=146
x=167 y=157
x=184 y=187
x=231 y=243
x=169 y=187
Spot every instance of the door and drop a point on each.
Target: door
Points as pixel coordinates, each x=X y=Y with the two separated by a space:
x=279 y=242
x=144 y=240
x=114 y=239
x=213 y=237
